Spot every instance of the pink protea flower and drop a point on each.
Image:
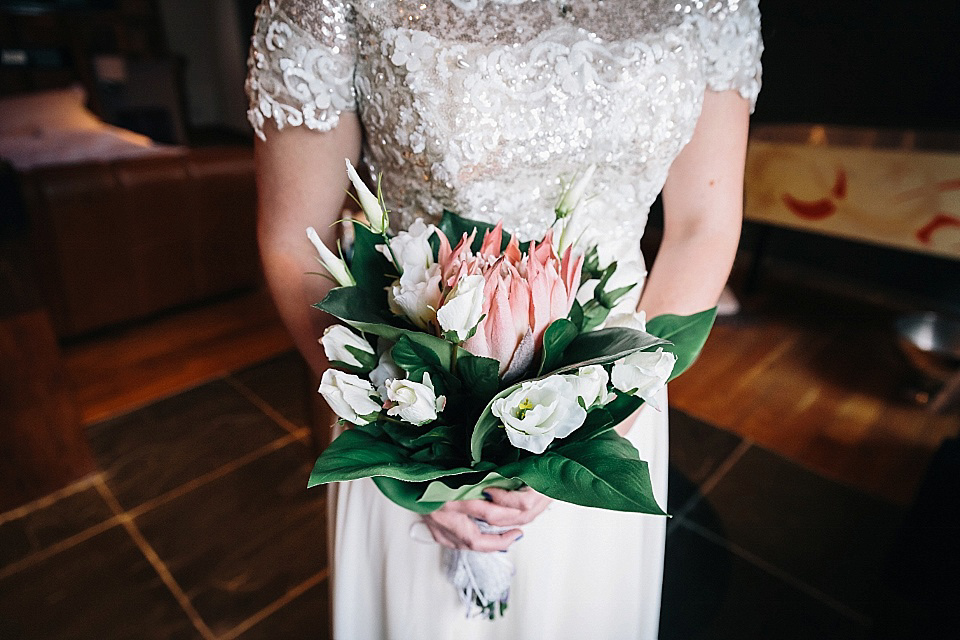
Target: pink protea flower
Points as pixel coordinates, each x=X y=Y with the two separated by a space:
x=523 y=293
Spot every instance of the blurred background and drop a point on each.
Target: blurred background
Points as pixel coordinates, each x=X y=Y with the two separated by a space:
x=156 y=427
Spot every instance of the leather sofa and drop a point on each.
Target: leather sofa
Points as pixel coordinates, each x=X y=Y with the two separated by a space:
x=123 y=240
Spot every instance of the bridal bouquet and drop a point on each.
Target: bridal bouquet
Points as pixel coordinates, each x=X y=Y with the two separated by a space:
x=465 y=361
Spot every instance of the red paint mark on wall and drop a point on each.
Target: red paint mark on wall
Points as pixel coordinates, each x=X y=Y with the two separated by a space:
x=810 y=210
x=939 y=221
x=840 y=185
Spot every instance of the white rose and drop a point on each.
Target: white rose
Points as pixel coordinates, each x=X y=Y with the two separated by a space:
x=590 y=385
x=461 y=312
x=368 y=202
x=350 y=397
x=539 y=411
x=416 y=296
x=643 y=373
x=411 y=248
x=330 y=261
x=415 y=402
x=335 y=341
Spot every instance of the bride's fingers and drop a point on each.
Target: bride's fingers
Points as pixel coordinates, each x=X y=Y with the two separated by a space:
x=522 y=500
x=461 y=532
x=490 y=513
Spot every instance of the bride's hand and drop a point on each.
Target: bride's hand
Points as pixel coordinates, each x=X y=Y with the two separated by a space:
x=453 y=524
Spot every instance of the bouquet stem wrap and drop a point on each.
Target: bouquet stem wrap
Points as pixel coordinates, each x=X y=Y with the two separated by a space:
x=482 y=579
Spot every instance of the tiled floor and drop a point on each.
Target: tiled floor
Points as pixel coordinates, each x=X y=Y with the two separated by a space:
x=199 y=526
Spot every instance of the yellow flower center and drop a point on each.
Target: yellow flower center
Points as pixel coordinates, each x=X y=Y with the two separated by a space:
x=523 y=407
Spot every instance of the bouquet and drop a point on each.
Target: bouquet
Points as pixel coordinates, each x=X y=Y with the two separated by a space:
x=465 y=361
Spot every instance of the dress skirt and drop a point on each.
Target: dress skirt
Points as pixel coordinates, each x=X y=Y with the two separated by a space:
x=580 y=572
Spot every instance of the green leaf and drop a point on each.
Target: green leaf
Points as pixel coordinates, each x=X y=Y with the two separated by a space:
x=481 y=376
x=372 y=270
x=354 y=307
x=606 y=345
x=605 y=471
x=609 y=299
x=406 y=494
x=557 y=336
x=368 y=361
x=439 y=491
x=410 y=355
x=576 y=315
x=355 y=454
x=598 y=422
x=687 y=335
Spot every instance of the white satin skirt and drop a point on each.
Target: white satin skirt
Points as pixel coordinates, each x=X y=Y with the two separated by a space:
x=580 y=572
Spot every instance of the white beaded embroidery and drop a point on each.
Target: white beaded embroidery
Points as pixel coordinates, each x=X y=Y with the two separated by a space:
x=483 y=107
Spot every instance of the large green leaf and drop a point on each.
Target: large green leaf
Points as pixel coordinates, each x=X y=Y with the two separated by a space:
x=481 y=376
x=686 y=334
x=605 y=471
x=556 y=338
x=355 y=454
x=354 y=307
x=440 y=491
x=406 y=494
x=372 y=270
x=606 y=345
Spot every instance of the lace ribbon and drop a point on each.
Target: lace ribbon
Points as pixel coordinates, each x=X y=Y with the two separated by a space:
x=482 y=579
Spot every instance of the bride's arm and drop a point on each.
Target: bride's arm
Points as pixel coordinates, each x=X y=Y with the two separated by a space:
x=301 y=182
x=703 y=211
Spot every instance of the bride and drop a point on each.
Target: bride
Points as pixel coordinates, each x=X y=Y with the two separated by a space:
x=484 y=107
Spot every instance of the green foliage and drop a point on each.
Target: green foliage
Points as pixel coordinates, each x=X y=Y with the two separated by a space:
x=405 y=494
x=606 y=345
x=556 y=338
x=374 y=270
x=357 y=309
x=359 y=453
x=686 y=334
x=481 y=376
x=605 y=471
x=440 y=491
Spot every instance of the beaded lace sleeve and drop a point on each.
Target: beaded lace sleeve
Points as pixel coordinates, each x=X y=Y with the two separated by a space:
x=301 y=64
x=732 y=44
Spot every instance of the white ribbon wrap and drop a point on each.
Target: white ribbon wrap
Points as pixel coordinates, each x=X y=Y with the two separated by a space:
x=482 y=579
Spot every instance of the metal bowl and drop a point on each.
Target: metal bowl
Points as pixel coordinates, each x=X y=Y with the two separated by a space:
x=931 y=341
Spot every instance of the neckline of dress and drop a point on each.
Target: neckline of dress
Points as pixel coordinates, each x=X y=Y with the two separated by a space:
x=471 y=5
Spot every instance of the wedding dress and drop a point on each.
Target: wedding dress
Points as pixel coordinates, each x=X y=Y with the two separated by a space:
x=484 y=107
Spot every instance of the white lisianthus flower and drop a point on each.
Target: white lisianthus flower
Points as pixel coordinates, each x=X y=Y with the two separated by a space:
x=385 y=370
x=590 y=385
x=376 y=216
x=631 y=320
x=461 y=312
x=539 y=411
x=352 y=398
x=415 y=402
x=336 y=338
x=411 y=248
x=574 y=192
x=334 y=265
x=643 y=373
x=416 y=296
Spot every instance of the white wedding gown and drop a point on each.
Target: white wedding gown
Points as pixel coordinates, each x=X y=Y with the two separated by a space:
x=483 y=107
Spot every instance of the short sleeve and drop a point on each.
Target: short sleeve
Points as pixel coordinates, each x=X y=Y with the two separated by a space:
x=301 y=64
x=732 y=45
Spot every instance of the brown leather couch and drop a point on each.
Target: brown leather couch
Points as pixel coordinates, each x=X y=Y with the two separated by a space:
x=123 y=240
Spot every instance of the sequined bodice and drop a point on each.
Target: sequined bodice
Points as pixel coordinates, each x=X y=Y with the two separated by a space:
x=483 y=107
